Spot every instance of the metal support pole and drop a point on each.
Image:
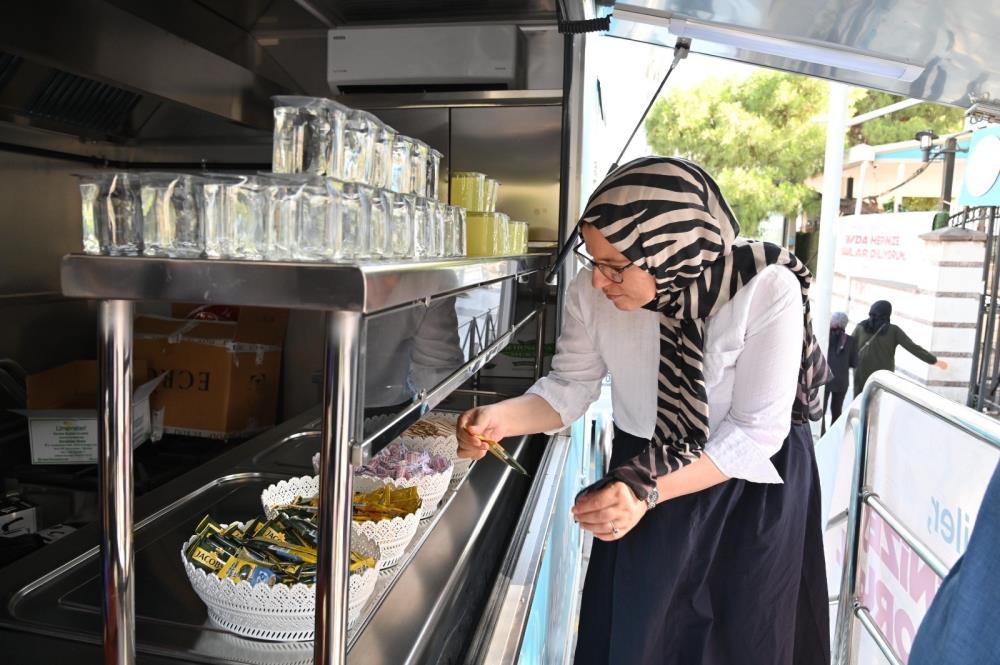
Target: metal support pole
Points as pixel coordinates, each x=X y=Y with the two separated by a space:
x=540 y=336
x=860 y=200
x=989 y=339
x=975 y=399
x=844 y=636
x=833 y=169
x=114 y=434
x=340 y=374
x=897 y=198
x=948 y=177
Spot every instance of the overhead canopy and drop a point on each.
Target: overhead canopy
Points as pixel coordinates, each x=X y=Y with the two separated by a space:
x=953 y=42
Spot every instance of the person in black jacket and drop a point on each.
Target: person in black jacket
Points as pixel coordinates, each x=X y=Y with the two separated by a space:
x=874 y=342
x=838 y=357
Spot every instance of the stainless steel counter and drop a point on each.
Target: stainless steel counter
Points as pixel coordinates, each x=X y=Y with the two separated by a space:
x=412 y=614
x=365 y=287
x=350 y=295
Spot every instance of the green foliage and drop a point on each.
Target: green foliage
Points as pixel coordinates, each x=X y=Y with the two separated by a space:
x=901 y=125
x=758 y=137
x=761 y=137
x=919 y=203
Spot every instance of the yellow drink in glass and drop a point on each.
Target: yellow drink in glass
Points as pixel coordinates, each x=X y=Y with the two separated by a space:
x=468 y=190
x=481 y=234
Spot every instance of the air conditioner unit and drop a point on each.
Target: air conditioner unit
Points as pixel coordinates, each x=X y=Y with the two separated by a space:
x=425 y=58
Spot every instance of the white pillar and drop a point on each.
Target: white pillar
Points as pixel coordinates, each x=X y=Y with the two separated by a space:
x=898 y=196
x=833 y=168
x=860 y=197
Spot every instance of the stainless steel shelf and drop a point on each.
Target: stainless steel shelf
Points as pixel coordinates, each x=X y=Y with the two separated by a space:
x=366 y=287
x=468 y=99
x=348 y=294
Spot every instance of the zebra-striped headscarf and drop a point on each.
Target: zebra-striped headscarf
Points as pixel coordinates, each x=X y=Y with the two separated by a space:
x=669 y=218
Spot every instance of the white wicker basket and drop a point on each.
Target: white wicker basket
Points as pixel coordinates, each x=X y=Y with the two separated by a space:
x=392 y=535
x=278 y=613
x=445 y=446
x=431 y=487
x=285 y=491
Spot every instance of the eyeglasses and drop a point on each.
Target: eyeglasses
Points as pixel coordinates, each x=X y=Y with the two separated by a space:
x=614 y=273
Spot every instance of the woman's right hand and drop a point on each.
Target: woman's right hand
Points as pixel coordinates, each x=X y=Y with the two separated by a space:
x=487 y=422
x=941 y=364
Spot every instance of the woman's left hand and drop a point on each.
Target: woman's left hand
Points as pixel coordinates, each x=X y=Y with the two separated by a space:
x=610 y=512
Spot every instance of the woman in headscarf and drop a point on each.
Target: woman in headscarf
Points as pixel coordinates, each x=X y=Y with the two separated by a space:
x=838 y=355
x=874 y=342
x=708 y=545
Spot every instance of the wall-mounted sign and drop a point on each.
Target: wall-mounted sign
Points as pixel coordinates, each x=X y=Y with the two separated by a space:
x=980 y=186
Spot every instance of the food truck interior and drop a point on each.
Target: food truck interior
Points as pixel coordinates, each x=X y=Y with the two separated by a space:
x=140 y=393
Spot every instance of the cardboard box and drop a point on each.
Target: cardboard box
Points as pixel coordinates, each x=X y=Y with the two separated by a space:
x=221 y=378
x=62 y=412
x=17 y=518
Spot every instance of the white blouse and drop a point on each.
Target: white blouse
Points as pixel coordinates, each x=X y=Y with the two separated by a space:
x=753 y=350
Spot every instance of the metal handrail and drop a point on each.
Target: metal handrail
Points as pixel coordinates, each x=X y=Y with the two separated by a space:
x=961 y=417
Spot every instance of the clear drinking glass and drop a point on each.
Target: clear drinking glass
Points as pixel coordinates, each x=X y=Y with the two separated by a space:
x=354 y=238
x=454 y=231
x=116 y=212
x=378 y=220
x=289 y=132
x=418 y=167
x=400 y=179
x=468 y=190
x=385 y=137
x=359 y=147
x=212 y=195
x=401 y=224
x=247 y=218
x=449 y=219
x=90 y=202
x=170 y=221
x=461 y=233
x=317 y=222
x=433 y=173
x=422 y=228
x=282 y=218
x=440 y=220
x=308 y=135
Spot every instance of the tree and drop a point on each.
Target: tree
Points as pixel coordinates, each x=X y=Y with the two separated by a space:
x=901 y=125
x=759 y=137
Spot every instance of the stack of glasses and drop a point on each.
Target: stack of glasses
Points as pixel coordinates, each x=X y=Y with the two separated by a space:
x=490 y=233
x=345 y=187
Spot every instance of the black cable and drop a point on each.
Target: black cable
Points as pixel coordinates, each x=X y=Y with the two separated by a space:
x=681 y=50
x=590 y=25
x=908 y=180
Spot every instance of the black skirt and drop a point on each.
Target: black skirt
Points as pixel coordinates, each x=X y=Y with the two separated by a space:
x=732 y=575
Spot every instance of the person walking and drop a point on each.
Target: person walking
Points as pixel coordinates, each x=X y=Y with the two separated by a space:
x=708 y=544
x=838 y=356
x=874 y=342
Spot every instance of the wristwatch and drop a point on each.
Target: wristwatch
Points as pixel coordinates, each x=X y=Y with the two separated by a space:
x=651 y=498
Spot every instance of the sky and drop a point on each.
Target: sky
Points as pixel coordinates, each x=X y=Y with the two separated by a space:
x=629 y=73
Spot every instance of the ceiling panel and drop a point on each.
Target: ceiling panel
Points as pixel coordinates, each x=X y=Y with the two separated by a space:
x=955 y=41
x=407 y=11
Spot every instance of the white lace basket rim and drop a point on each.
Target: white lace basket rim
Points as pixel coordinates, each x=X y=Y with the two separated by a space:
x=431 y=487
x=392 y=535
x=280 y=612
